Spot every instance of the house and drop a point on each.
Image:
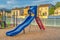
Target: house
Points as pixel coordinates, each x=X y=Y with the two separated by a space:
x=0 y=14
x=57 y=11
x=20 y=12
x=26 y=11
x=17 y=13
x=8 y=15
x=43 y=10
x=5 y=13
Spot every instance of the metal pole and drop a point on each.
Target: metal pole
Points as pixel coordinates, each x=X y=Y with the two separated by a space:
x=29 y=27
x=23 y=31
x=14 y=20
x=2 y=14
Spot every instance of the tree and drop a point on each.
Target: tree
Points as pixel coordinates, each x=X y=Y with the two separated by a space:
x=51 y=10
x=57 y=4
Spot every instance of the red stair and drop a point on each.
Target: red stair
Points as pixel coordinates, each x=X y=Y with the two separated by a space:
x=39 y=22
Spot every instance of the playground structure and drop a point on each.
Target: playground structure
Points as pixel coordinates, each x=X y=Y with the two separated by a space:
x=32 y=14
x=2 y=24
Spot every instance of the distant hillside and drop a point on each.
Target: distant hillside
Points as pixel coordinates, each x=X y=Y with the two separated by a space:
x=4 y=9
x=57 y=4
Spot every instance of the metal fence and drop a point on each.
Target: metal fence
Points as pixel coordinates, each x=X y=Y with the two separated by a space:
x=55 y=22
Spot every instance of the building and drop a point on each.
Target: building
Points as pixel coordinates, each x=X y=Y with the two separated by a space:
x=8 y=15
x=5 y=13
x=43 y=10
x=26 y=11
x=17 y=13
x=57 y=11
x=0 y=14
x=20 y=12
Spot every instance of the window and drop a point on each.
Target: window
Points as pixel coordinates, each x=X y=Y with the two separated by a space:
x=21 y=12
x=45 y=14
x=0 y=14
x=58 y=11
x=17 y=13
x=45 y=8
x=14 y=13
x=40 y=13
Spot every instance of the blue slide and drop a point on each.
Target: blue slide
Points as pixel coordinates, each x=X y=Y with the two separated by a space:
x=23 y=25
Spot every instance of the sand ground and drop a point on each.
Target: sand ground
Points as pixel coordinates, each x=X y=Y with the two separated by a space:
x=33 y=33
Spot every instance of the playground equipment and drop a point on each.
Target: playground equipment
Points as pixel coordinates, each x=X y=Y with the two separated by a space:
x=39 y=22
x=32 y=14
x=2 y=24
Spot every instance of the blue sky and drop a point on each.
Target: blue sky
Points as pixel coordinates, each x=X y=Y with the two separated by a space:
x=22 y=3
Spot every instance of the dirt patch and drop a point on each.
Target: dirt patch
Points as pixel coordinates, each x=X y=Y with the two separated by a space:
x=33 y=33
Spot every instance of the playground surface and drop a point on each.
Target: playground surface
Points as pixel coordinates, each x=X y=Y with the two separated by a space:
x=33 y=33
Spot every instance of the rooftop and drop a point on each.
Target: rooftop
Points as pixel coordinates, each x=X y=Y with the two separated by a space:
x=43 y=5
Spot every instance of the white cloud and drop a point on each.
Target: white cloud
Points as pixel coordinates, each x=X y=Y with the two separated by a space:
x=21 y=3
x=2 y=6
x=10 y=2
